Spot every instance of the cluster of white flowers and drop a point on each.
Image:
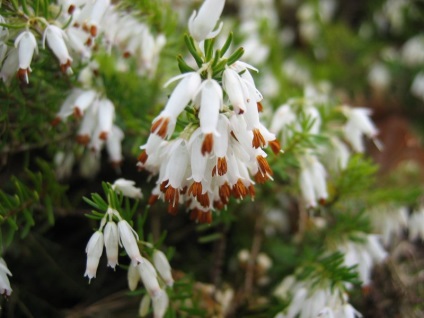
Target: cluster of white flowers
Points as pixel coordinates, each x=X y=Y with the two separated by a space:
x=364 y=255
x=389 y=221
x=74 y=34
x=97 y=125
x=336 y=153
x=111 y=234
x=217 y=152
x=313 y=301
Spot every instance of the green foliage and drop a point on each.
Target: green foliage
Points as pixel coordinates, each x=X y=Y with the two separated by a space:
x=29 y=199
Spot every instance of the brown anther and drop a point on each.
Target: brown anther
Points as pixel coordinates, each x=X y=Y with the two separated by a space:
x=103 y=135
x=77 y=112
x=252 y=191
x=195 y=189
x=264 y=166
x=22 y=74
x=126 y=54
x=205 y=217
x=172 y=196
x=76 y=25
x=194 y=214
x=152 y=199
x=233 y=135
x=183 y=190
x=214 y=171
x=64 y=67
x=258 y=140
x=275 y=146
x=55 y=121
x=222 y=166
x=71 y=9
x=239 y=190
x=142 y=157
x=219 y=205
x=224 y=193
x=93 y=31
x=261 y=178
x=207 y=144
x=83 y=139
x=160 y=127
x=203 y=199
x=89 y=42
x=241 y=111
x=260 y=107
x=163 y=185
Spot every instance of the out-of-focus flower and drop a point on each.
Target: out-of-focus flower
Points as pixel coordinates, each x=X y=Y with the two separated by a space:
x=416 y=225
x=389 y=221
x=417 y=88
x=358 y=124
x=379 y=77
x=312 y=180
x=127 y=188
x=202 y=23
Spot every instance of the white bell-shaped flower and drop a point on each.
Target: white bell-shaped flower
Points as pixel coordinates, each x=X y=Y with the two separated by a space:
x=5 y=288
x=27 y=46
x=111 y=238
x=202 y=23
x=94 y=251
x=55 y=38
x=162 y=265
x=128 y=238
x=127 y=188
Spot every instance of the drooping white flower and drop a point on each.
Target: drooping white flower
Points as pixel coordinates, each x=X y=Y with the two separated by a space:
x=143 y=309
x=236 y=90
x=133 y=277
x=128 y=238
x=312 y=180
x=94 y=251
x=202 y=23
x=160 y=304
x=127 y=188
x=113 y=145
x=27 y=46
x=55 y=38
x=111 y=239
x=5 y=288
x=413 y=51
x=10 y=66
x=106 y=113
x=379 y=77
x=358 y=124
x=149 y=278
x=183 y=93
x=162 y=265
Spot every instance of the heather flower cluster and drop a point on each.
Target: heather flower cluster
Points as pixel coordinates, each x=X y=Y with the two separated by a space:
x=343 y=137
x=219 y=153
x=114 y=231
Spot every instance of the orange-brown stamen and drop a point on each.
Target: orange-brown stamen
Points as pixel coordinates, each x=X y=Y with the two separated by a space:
x=195 y=189
x=152 y=199
x=163 y=185
x=233 y=135
x=93 y=31
x=126 y=54
x=64 y=67
x=222 y=166
x=173 y=210
x=275 y=146
x=205 y=217
x=142 y=157
x=77 y=112
x=83 y=139
x=103 y=135
x=207 y=144
x=172 y=196
x=260 y=107
x=203 y=199
x=239 y=190
x=252 y=191
x=23 y=74
x=160 y=127
x=224 y=193
x=258 y=140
